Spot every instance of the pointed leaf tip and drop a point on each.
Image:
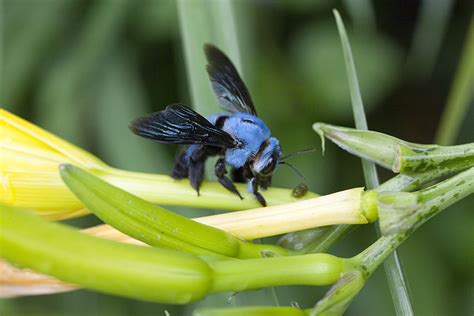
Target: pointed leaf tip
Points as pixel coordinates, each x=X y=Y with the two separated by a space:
x=65 y=167
x=317 y=127
x=68 y=170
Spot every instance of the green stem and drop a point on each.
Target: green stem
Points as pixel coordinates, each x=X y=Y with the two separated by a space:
x=315 y=240
x=415 y=159
x=448 y=191
x=406 y=183
x=402 y=211
x=341 y=294
x=372 y=257
x=165 y=190
x=314 y=269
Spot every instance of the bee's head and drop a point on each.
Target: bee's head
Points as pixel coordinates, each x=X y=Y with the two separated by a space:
x=268 y=158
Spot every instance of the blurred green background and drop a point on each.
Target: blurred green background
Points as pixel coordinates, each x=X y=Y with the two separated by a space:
x=83 y=69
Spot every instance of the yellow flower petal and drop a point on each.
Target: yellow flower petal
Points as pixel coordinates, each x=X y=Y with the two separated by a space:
x=29 y=160
x=17 y=131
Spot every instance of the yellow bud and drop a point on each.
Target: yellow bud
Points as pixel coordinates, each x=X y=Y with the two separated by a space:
x=29 y=175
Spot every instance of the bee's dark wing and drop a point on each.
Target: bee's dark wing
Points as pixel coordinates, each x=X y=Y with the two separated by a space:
x=227 y=85
x=178 y=124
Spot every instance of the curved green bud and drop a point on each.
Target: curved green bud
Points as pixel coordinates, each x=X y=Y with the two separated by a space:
x=154 y=225
x=374 y=146
x=139 y=272
x=398 y=155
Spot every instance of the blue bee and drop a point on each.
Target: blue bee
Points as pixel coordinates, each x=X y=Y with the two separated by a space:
x=238 y=136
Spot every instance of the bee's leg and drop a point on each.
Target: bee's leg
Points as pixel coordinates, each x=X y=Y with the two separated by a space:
x=196 y=174
x=242 y=174
x=180 y=169
x=253 y=188
x=265 y=183
x=226 y=182
x=196 y=163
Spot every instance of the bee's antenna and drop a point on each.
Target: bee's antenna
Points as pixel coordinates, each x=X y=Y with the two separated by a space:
x=303 y=151
x=293 y=168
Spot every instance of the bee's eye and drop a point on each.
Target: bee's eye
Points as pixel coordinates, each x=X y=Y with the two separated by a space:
x=269 y=167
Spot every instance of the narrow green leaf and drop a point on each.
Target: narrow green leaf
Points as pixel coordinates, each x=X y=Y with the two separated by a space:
x=393 y=270
x=370 y=172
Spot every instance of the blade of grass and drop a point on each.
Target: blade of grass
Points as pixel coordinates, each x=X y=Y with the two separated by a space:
x=393 y=268
x=370 y=173
x=460 y=95
x=203 y=22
